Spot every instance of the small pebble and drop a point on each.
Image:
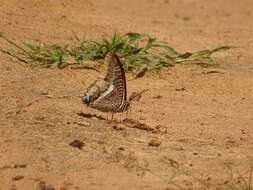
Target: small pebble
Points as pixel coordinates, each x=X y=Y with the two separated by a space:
x=77 y=144
x=17 y=177
x=121 y=148
x=20 y=166
x=157 y=97
x=180 y=89
x=155 y=142
x=43 y=186
x=118 y=127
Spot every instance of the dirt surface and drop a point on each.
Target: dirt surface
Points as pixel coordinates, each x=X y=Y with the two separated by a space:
x=199 y=120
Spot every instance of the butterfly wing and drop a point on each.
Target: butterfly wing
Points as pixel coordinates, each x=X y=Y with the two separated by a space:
x=110 y=65
x=115 y=96
x=118 y=74
x=95 y=90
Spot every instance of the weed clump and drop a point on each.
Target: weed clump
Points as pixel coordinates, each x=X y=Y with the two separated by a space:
x=137 y=51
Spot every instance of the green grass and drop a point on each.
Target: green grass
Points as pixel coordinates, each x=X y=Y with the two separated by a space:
x=137 y=51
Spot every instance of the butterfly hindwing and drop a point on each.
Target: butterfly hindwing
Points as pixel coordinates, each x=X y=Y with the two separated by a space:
x=115 y=96
x=118 y=78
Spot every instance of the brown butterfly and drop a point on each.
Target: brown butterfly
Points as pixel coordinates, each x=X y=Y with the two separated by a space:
x=110 y=93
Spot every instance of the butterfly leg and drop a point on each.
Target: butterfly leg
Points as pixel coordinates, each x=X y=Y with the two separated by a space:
x=109 y=116
x=128 y=112
x=112 y=116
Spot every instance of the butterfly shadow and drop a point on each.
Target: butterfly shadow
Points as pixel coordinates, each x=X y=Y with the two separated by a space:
x=128 y=123
x=91 y=115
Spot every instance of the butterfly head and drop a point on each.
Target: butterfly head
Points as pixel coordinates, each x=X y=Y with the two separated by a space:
x=86 y=100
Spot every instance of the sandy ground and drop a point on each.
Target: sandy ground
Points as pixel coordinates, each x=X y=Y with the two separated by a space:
x=204 y=115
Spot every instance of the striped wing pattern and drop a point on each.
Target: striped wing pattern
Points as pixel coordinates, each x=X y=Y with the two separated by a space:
x=114 y=99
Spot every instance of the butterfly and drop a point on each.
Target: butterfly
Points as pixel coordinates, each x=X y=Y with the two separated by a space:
x=109 y=94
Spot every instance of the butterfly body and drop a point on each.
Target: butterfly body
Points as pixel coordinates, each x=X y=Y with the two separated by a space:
x=95 y=90
x=109 y=94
